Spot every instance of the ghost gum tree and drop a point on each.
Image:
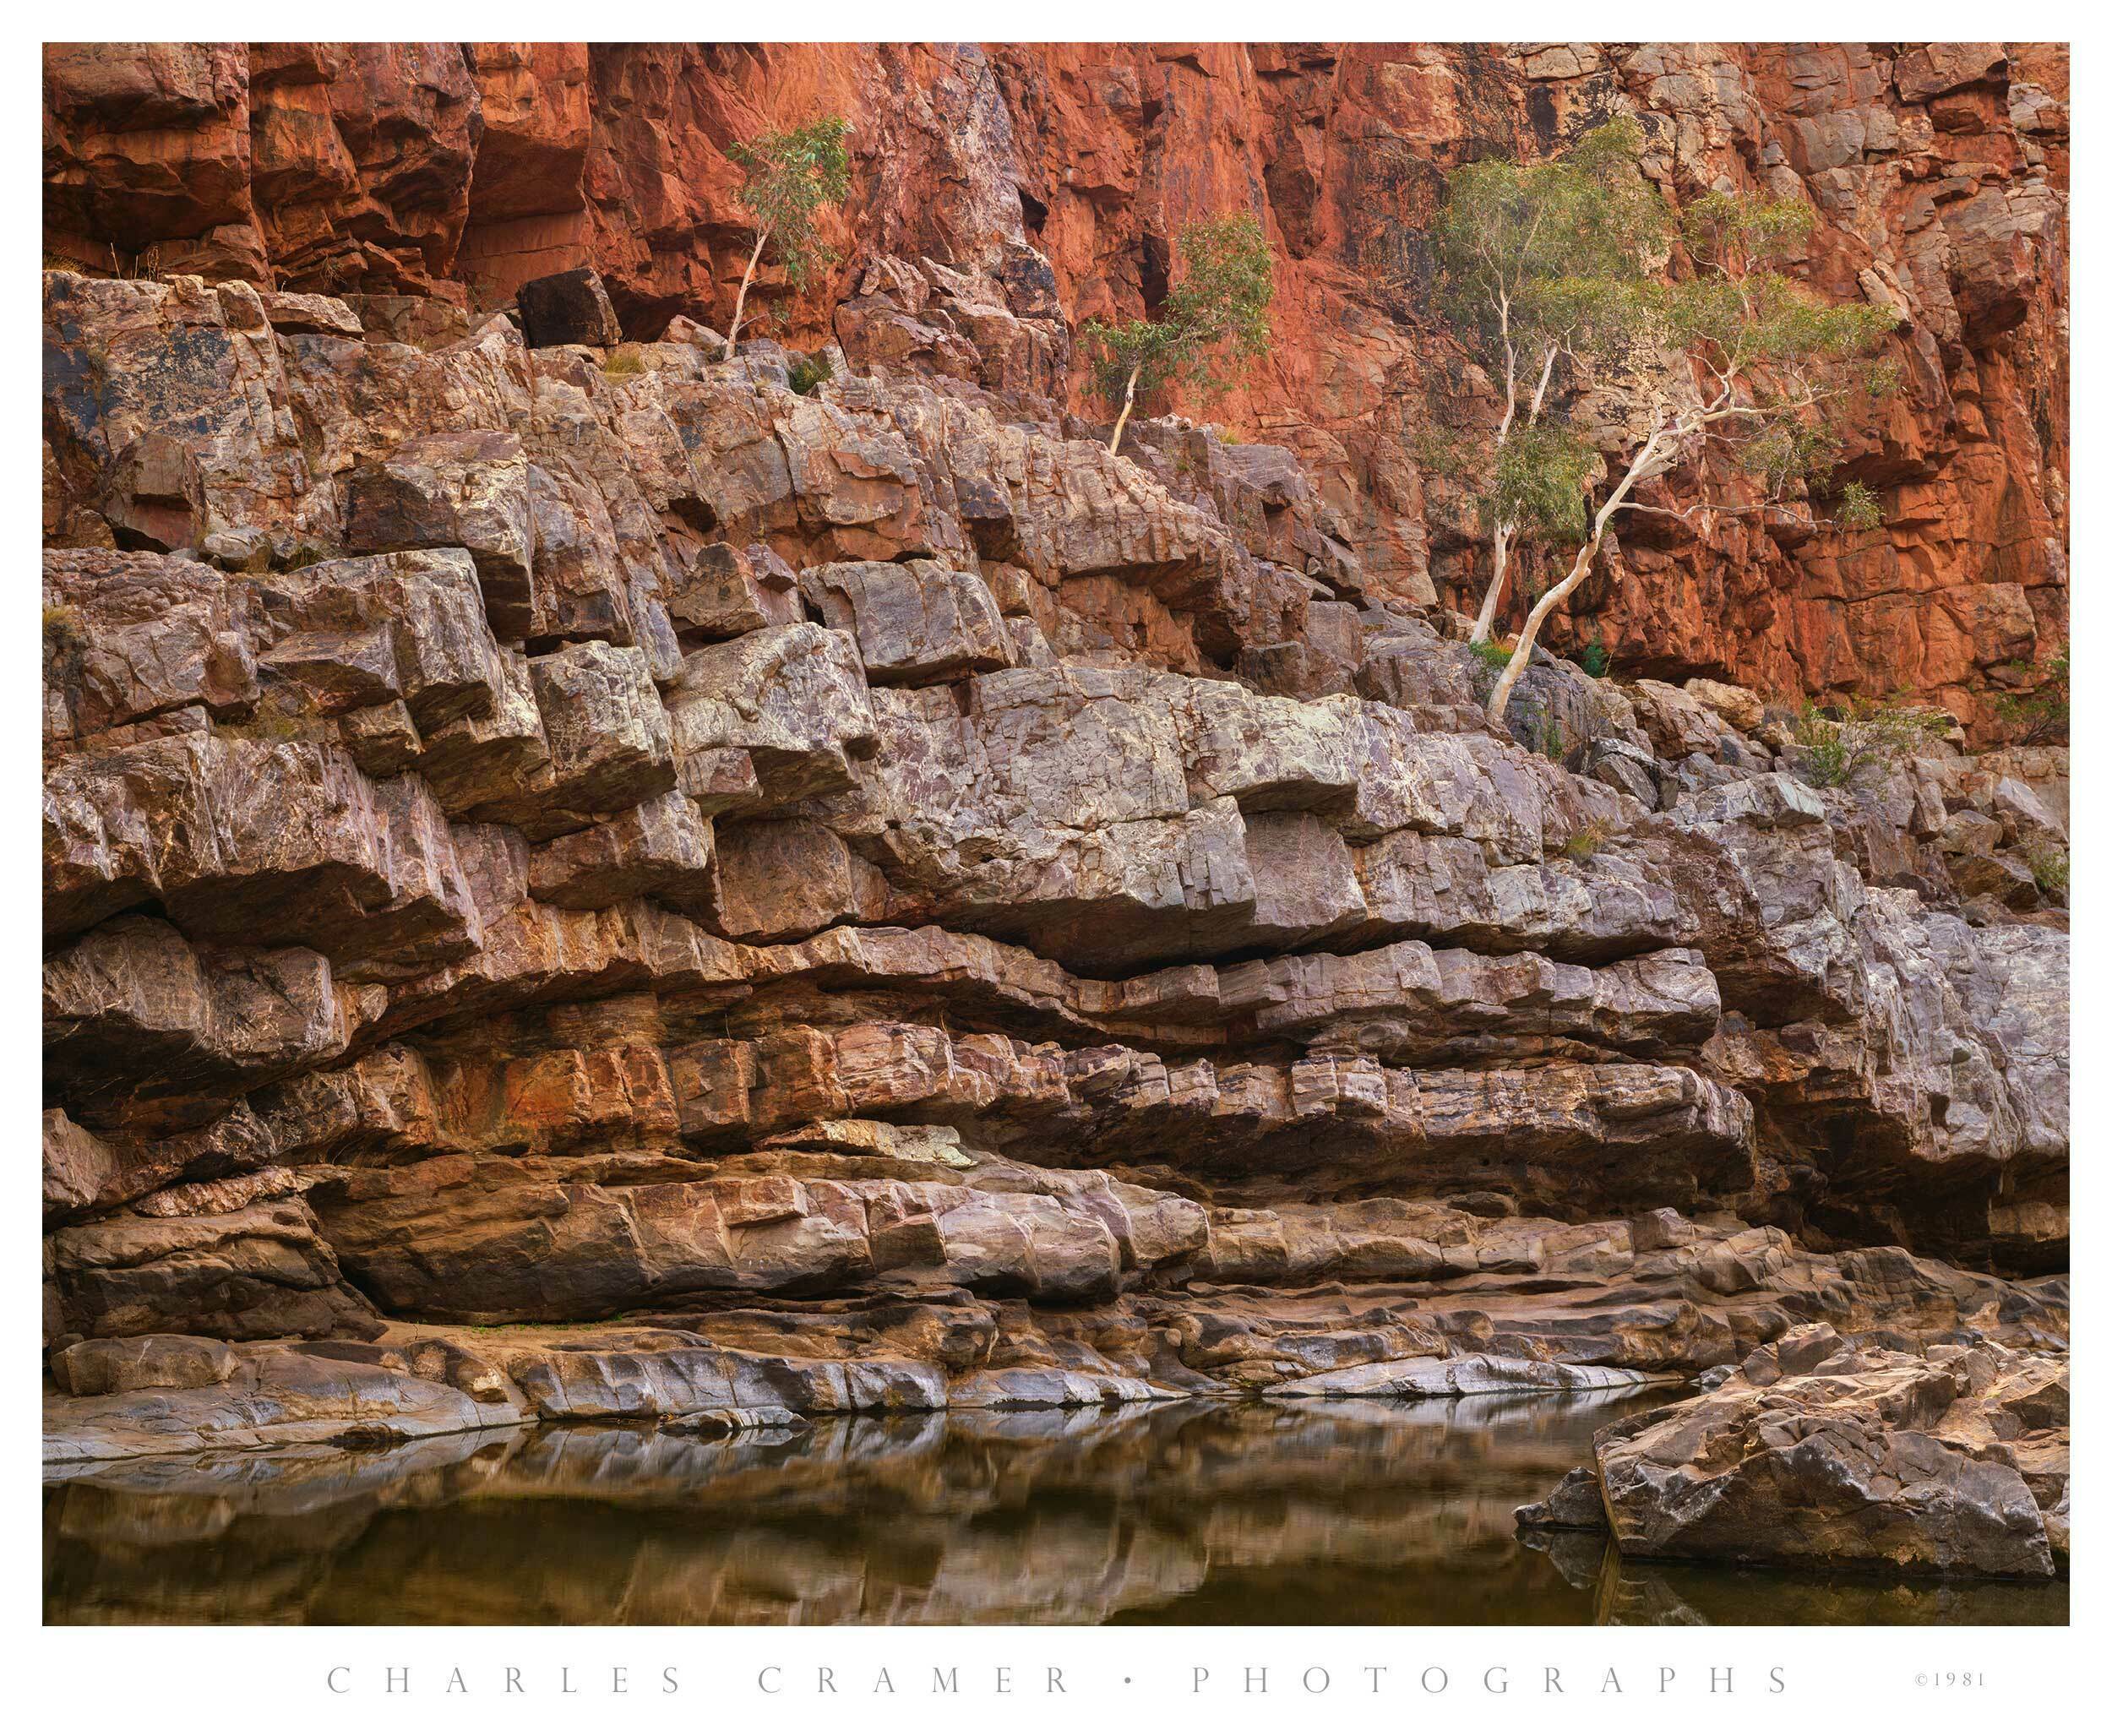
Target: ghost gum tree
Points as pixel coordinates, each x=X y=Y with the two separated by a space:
x=1538 y=267
x=786 y=179
x=1545 y=272
x=1210 y=327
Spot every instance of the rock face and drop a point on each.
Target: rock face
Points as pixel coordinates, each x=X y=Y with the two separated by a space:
x=1816 y=1454
x=1002 y=194
x=771 y=902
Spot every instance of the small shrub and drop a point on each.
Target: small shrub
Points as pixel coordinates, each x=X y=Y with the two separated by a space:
x=1582 y=846
x=622 y=363
x=1490 y=661
x=62 y=626
x=1831 y=752
x=1551 y=741
x=1594 y=662
x=1822 y=756
x=808 y=372
x=1493 y=655
x=2041 y=715
x=2050 y=870
x=1856 y=509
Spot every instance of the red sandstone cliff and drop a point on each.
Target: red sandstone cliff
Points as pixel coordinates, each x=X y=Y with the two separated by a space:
x=459 y=172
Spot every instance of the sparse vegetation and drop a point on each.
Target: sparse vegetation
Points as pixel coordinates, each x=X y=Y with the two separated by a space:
x=2050 y=870
x=1491 y=654
x=624 y=363
x=1592 y=659
x=807 y=373
x=62 y=627
x=1489 y=659
x=1547 y=270
x=1583 y=844
x=1213 y=324
x=1834 y=749
x=1855 y=507
x=787 y=178
x=2040 y=715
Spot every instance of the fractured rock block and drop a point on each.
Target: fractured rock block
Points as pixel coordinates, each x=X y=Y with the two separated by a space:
x=141 y=1031
x=727 y=591
x=263 y=1271
x=914 y=621
x=662 y=849
x=465 y=491
x=568 y=307
x=127 y=636
x=382 y=1103
x=792 y=698
x=582 y=584
x=1876 y=1459
x=778 y=880
x=609 y=744
x=365 y=631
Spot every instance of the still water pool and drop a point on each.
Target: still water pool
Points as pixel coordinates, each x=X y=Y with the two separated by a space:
x=1342 y=1512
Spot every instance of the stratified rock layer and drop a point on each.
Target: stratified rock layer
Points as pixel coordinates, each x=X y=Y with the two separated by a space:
x=771 y=903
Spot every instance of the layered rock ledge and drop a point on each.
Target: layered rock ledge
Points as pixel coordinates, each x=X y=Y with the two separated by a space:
x=585 y=883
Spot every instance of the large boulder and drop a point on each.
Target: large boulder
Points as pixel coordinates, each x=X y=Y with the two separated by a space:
x=1956 y=1461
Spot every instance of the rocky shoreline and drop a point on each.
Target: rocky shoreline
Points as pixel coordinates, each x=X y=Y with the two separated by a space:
x=589 y=879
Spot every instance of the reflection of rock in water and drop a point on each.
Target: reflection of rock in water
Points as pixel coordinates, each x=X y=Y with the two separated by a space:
x=1347 y=1511
x=1630 y=1593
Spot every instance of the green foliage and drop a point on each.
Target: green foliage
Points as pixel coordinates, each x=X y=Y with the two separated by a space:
x=1489 y=653
x=1764 y=319
x=1583 y=845
x=1833 y=751
x=2050 y=870
x=1733 y=231
x=1593 y=660
x=2041 y=715
x=808 y=372
x=787 y=178
x=1787 y=452
x=1214 y=323
x=1538 y=481
x=1537 y=250
x=1542 y=266
x=1856 y=509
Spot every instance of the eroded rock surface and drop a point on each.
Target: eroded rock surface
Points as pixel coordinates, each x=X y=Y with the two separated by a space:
x=1815 y=1453
x=1002 y=194
x=582 y=883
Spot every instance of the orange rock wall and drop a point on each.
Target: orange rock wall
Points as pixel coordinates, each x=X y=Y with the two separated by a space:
x=1940 y=173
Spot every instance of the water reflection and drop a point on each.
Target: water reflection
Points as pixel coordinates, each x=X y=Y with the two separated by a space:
x=1341 y=1512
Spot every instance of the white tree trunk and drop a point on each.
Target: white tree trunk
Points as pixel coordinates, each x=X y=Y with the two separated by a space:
x=1129 y=403
x=1492 y=599
x=1522 y=653
x=1485 y=622
x=733 y=334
